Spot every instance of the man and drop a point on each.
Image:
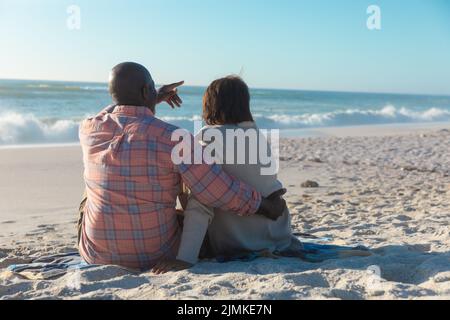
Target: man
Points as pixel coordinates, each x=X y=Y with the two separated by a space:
x=128 y=217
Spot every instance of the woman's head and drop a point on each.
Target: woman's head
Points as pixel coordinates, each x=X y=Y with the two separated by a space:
x=227 y=101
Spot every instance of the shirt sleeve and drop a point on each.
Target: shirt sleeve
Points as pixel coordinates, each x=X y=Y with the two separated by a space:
x=215 y=188
x=107 y=110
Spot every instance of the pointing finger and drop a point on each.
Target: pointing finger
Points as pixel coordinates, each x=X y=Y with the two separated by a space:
x=173 y=86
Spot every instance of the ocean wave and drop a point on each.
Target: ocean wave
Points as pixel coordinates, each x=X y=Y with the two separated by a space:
x=16 y=128
x=59 y=87
x=181 y=118
x=351 y=117
x=86 y=88
x=38 y=86
x=27 y=129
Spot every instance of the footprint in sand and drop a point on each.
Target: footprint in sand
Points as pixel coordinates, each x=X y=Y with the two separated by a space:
x=15 y=289
x=8 y=222
x=6 y=250
x=6 y=262
x=46 y=226
x=43 y=228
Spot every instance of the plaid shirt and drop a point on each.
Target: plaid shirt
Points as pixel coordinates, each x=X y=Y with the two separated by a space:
x=132 y=185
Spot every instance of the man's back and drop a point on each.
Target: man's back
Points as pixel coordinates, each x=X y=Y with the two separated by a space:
x=131 y=187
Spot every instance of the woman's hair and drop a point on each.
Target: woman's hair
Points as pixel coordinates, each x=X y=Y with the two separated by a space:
x=227 y=101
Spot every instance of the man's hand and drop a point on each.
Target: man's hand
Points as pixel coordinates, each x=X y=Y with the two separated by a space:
x=171 y=265
x=169 y=94
x=273 y=206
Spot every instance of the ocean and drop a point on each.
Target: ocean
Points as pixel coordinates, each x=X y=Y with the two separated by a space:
x=48 y=112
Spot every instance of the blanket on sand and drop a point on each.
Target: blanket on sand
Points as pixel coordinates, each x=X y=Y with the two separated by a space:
x=55 y=266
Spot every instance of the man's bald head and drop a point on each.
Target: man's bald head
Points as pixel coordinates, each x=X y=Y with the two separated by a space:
x=131 y=84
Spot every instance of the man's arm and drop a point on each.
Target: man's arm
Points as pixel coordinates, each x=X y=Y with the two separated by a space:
x=215 y=188
x=211 y=185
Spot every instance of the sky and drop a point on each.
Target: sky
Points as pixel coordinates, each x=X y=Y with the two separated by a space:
x=292 y=44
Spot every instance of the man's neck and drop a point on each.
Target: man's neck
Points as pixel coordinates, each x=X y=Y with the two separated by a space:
x=134 y=104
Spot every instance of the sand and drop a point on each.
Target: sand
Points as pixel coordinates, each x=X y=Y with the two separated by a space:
x=389 y=191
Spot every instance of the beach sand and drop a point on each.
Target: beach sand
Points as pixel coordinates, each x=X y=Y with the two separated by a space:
x=389 y=191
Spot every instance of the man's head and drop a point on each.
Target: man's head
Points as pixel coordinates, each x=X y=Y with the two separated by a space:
x=131 y=84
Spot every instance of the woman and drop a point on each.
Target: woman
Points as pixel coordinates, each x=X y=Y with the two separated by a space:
x=226 y=107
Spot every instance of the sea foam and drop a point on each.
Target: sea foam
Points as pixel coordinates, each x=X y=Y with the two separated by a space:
x=351 y=117
x=17 y=128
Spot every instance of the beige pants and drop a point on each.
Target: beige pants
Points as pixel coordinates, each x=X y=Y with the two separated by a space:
x=197 y=218
x=230 y=234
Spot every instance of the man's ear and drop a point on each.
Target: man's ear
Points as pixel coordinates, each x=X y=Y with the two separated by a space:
x=145 y=93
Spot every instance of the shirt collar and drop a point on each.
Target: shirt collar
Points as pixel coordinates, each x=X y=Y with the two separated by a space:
x=133 y=111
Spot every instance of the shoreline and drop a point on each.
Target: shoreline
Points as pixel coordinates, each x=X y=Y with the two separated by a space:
x=366 y=130
x=338 y=131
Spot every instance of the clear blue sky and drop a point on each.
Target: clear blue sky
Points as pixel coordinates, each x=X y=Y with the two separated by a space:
x=304 y=44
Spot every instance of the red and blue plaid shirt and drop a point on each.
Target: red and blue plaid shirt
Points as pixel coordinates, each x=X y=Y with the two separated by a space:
x=132 y=186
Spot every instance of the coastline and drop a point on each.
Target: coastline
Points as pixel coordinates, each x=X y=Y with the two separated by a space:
x=340 y=131
x=366 y=130
x=390 y=192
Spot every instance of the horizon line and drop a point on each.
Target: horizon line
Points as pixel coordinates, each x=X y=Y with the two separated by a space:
x=255 y=88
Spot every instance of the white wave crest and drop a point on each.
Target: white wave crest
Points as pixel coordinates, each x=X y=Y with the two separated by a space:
x=181 y=118
x=16 y=128
x=349 y=117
